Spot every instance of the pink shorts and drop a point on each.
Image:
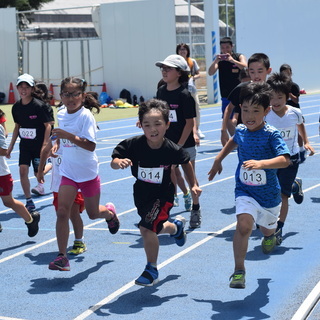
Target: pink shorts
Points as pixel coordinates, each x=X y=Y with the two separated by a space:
x=6 y=185
x=88 y=188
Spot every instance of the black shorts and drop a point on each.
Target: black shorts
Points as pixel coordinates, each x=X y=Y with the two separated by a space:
x=30 y=155
x=287 y=175
x=153 y=208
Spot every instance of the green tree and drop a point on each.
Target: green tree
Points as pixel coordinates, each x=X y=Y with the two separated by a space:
x=23 y=5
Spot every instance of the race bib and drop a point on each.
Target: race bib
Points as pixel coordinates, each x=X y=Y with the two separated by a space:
x=151 y=175
x=27 y=133
x=287 y=133
x=253 y=177
x=173 y=116
x=67 y=143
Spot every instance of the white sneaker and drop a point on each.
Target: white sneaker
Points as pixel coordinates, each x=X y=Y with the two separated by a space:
x=200 y=134
x=38 y=190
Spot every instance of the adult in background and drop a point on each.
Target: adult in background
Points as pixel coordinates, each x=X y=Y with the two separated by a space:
x=184 y=51
x=229 y=64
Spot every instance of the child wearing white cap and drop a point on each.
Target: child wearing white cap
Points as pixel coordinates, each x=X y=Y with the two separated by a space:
x=33 y=126
x=175 y=73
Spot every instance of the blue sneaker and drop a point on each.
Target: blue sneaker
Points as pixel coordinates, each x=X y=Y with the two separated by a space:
x=181 y=236
x=302 y=156
x=297 y=191
x=187 y=201
x=149 y=277
x=30 y=206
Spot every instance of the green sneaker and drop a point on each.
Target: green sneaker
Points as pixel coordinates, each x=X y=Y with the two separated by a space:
x=78 y=248
x=238 y=280
x=268 y=244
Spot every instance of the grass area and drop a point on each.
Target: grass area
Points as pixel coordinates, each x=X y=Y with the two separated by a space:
x=104 y=115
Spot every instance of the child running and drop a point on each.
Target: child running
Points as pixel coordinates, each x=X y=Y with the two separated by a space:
x=33 y=126
x=289 y=121
x=6 y=186
x=79 y=245
x=76 y=136
x=261 y=150
x=150 y=157
x=182 y=130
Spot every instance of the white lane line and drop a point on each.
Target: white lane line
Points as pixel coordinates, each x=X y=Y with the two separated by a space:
x=308 y=304
x=130 y=284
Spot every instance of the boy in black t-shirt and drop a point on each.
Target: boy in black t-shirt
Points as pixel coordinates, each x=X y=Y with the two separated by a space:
x=258 y=68
x=150 y=157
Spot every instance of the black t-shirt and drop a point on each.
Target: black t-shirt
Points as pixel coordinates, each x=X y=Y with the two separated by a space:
x=228 y=75
x=138 y=151
x=182 y=107
x=234 y=98
x=31 y=118
x=295 y=90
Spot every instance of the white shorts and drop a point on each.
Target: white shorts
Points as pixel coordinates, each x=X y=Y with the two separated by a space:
x=265 y=217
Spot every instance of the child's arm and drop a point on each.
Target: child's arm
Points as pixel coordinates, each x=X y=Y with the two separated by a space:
x=189 y=172
x=186 y=131
x=15 y=134
x=226 y=116
x=44 y=155
x=304 y=136
x=117 y=163
x=80 y=142
x=217 y=167
x=195 y=132
x=47 y=133
x=275 y=163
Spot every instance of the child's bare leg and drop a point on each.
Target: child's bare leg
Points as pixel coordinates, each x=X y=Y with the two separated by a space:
x=96 y=210
x=17 y=206
x=284 y=207
x=66 y=198
x=76 y=220
x=151 y=244
x=24 y=179
x=240 y=239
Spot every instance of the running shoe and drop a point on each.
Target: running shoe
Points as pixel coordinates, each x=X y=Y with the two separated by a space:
x=180 y=236
x=149 y=277
x=238 y=279
x=113 y=223
x=195 y=219
x=78 y=248
x=278 y=235
x=176 y=201
x=38 y=190
x=30 y=206
x=33 y=227
x=297 y=191
x=60 y=263
x=268 y=244
x=187 y=201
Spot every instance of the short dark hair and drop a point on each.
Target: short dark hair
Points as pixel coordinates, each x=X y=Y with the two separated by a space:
x=260 y=57
x=226 y=40
x=156 y=104
x=258 y=93
x=280 y=82
x=285 y=67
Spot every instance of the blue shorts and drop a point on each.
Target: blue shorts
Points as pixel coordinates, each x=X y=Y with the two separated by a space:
x=224 y=105
x=287 y=175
